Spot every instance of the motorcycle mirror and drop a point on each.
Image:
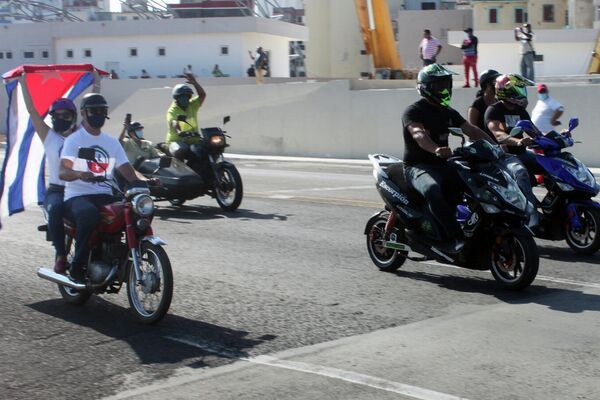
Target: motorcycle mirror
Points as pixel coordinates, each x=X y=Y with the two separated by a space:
x=226 y=119
x=573 y=123
x=456 y=132
x=87 y=153
x=516 y=131
x=181 y=118
x=164 y=162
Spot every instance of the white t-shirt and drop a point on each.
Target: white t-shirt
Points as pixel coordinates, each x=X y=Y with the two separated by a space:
x=109 y=154
x=53 y=145
x=543 y=112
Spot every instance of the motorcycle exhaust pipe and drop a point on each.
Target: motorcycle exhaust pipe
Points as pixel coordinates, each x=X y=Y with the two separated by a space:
x=50 y=275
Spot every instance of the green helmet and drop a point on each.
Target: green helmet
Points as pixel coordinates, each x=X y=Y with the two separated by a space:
x=513 y=89
x=435 y=83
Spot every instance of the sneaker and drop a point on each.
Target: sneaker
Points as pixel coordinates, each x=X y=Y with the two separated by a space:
x=466 y=86
x=60 y=265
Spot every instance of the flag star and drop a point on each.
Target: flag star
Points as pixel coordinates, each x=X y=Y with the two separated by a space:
x=48 y=75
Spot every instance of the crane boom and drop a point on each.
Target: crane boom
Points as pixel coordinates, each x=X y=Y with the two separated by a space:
x=377 y=33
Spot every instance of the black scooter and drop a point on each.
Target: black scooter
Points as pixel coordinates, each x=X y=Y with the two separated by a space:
x=492 y=212
x=212 y=175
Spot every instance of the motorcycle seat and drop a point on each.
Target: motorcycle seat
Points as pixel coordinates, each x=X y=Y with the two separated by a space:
x=396 y=174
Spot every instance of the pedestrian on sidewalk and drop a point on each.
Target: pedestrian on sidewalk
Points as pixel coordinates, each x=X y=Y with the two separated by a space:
x=524 y=35
x=261 y=64
x=469 y=48
x=429 y=48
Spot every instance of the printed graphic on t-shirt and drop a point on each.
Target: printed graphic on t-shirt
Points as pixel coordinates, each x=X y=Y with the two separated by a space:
x=511 y=120
x=101 y=162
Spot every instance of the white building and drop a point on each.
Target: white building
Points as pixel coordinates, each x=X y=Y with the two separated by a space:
x=161 y=47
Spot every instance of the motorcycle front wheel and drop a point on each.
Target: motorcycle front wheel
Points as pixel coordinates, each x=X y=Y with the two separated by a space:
x=514 y=260
x=387 y=260
x=150 y=297
x=585 y=240
x=229 y=188
x=72 y=296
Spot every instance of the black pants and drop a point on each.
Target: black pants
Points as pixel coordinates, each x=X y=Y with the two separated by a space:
x=435 y=183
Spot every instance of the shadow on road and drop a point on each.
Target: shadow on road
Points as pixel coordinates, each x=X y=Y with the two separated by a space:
x=151 y=343
x=199 y=212
x=566 y=254
x=566 y=300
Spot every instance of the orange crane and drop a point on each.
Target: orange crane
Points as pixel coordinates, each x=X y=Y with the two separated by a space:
x=377 y=33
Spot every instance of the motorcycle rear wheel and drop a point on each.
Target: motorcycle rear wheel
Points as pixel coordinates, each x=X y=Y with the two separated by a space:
x=229 y=190
x=150 y=299
x=71 y=296
x=514 y=261
x=587 y=240
x=387 y=260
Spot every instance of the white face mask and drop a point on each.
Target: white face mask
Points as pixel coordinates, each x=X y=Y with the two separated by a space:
x=139 y=134
x=543 y=96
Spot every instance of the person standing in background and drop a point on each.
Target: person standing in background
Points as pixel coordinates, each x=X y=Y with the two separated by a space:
x=429 y=48
x=547 y=111
x=261 y=63
x=469 y=48
x=524 y=36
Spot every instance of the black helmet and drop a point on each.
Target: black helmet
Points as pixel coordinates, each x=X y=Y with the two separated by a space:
x=134 y=126
x=182 y=89
x=93 y=100
x=488 y=77
x=435 y=83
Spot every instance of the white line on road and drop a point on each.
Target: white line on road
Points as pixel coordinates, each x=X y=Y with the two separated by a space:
x=328 y=372
x=325 y=189
x=539 y=277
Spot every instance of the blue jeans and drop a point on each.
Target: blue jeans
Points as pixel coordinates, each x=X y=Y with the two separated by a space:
x=84 y=212
x=430 y=181
x=53 y=203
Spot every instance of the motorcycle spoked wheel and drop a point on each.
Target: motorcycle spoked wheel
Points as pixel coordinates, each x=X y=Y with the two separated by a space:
x=229 y=190
x=387 y=260
x=150 y=299
x=586 y=240
x=514 y=261
x=72 y=296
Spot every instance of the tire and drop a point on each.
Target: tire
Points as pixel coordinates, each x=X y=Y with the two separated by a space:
x=160 y=288
x=71 y=296
x=587 y=240
x=387 y=260
x=177 y=202
x=514 y=261
x=229 y=190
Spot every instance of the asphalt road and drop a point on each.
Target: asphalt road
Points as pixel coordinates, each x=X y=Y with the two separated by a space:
x=281 y=301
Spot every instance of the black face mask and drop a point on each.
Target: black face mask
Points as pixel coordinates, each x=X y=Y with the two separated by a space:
x=96 y=121
x=61 y=125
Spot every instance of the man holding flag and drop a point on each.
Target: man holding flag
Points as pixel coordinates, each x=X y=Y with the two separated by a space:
x=39 y=96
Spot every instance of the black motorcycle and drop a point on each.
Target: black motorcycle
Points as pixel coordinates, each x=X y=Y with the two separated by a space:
x=211 y=175
x=491 y=210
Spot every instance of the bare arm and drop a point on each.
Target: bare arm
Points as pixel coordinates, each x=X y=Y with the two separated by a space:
x=36 y=119
x=557 y=114
x=421 y=136
x=131 y=174
x=499 y=131
x=67 y=173
x=474 y=132
x=192 y=81
x=473 y=115
x=439 y=50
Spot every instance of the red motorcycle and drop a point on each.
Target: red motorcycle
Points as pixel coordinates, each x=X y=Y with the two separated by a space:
x=123 y=250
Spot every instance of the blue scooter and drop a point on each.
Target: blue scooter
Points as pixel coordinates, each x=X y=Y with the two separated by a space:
x=569 y=213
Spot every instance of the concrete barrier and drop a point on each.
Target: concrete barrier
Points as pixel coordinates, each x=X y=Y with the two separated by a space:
x=339 y=119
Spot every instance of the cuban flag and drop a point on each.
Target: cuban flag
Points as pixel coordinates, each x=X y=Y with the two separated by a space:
x=22 y=179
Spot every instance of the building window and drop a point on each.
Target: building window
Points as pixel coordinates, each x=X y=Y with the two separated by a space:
x=162 y=51
x=493 y=16
x=69 y=54
x=87 y=53
x=520 y=15
x=28 y=54
x=45 y=54
x=548 y=12
x=9 y=55
x=132 y=52
x=1 y=55
x=427 y=5
x=224 y=50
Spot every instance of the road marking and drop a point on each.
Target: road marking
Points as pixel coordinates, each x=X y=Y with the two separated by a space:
x=538 y=277
x=328 y=372
x=325 y=189
x=318 y=200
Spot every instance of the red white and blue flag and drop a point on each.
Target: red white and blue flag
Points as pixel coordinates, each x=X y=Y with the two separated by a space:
x=22 y=180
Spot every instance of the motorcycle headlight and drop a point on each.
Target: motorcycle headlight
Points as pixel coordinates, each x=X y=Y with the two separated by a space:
x=511 y=194
x=565 y=186
x=582 y=174
x=217 y=141
x=143 y=205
